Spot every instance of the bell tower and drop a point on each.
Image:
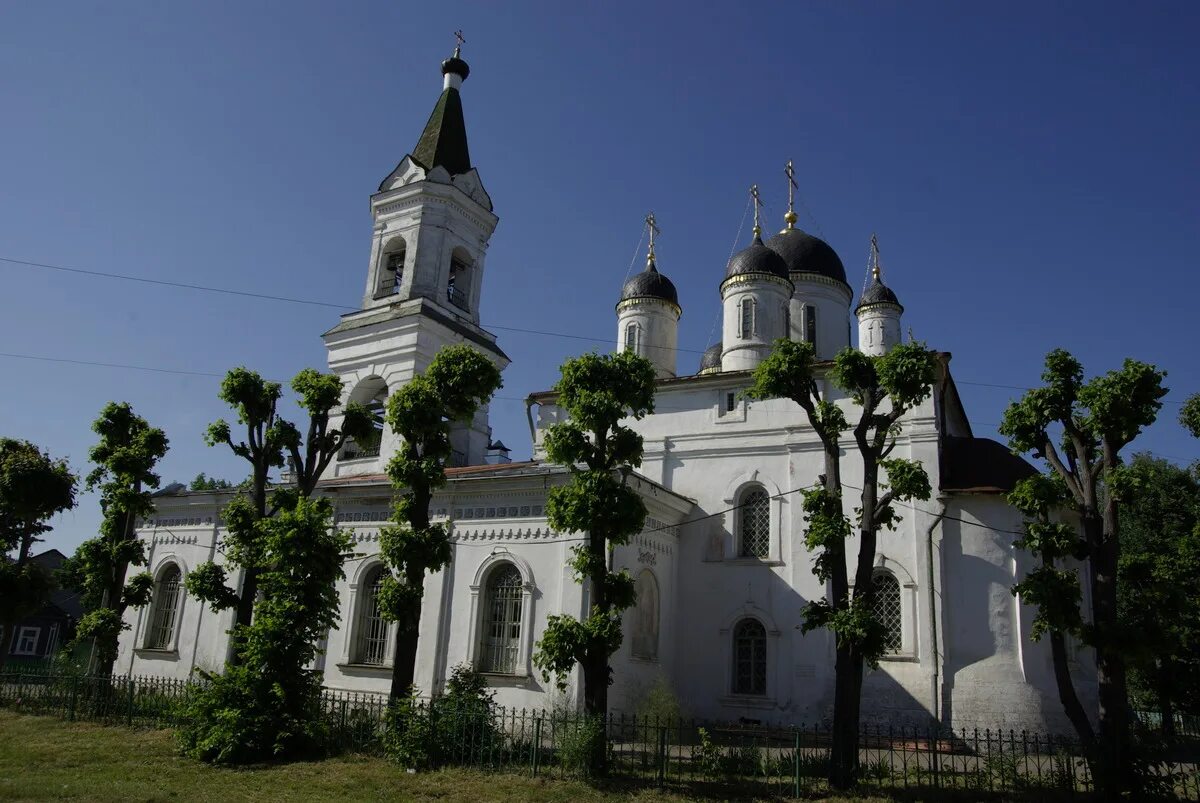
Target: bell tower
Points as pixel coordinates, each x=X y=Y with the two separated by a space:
x=432 y=221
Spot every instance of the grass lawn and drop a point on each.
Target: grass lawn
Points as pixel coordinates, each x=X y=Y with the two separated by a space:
x=42 y=758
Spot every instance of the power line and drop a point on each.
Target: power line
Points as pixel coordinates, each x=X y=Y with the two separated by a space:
x=289 y=300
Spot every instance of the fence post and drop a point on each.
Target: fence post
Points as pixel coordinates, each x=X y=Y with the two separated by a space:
x=662 y=757
x=933 y=747
x=342 y=719
x=537 y=742
x=796 y=766
x=129 y=706
x=74 y=698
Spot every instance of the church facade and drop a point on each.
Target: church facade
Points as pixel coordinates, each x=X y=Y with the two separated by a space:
x=722 y=571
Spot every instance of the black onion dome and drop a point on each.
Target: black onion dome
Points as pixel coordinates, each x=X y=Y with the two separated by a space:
x=878 y=293
x=711 y=360
x=758 y=258
x=650 y=284
x=803 y=253
x=456 y=65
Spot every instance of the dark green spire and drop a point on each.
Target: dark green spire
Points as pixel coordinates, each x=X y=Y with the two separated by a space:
x=444 y=140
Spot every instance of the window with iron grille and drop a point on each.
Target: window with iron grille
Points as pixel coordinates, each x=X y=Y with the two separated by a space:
x=749 y=657
x=165 y=609
x=502 y=621
x=371 y=643
x=754 y=526
x=887 y=610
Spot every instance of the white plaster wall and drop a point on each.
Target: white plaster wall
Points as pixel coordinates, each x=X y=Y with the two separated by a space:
x=878 y=329
x=659 y=332
x=771 y=299
x=832 y=300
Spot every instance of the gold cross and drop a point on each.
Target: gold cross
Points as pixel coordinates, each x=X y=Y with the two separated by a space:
x=790 y=171
x=653 y=226
x=757 y=205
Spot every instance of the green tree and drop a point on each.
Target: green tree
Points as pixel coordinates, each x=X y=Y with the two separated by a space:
x=203 y=482
x=1159 y=584
x=125 y=458
x=1093 y=421
x=267 y=705
x=597 y=392
x=884 y=388
x=33 y=487
x=456 y=384
x=268 y=439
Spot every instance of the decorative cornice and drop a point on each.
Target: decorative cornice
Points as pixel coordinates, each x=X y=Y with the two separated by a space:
x=649 y=301
x=746 y=278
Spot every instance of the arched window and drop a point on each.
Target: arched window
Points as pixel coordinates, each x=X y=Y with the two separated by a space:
x=631 y=337
x=372 y=393
x=645 y=616
x=165 y=609
x=392 y=269
x=746 y=316
x=754 y=524
x=371 y=631
x=749 y=657
x=887 y=609
x=458 y=285
x=502 y=621
x=810 y=324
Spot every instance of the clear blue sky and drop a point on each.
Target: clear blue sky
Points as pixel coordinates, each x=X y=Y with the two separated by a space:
x=1032 y=171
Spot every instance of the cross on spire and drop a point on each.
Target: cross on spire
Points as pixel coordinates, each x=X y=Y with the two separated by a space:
x=790 y=215
x=459 y=42
x=757 y=205
x=651 y=224
x=874 y=262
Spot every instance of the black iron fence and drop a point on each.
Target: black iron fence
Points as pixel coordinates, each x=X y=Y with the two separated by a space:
x=726 y=759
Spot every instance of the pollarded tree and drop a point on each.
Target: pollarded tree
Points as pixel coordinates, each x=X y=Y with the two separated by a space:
x=267 y=705
x=456 y=384
x=597 y=392
x=1094 y=421
x=125 y=458
x=267 y=440
x=33 y=488
x=884 y=388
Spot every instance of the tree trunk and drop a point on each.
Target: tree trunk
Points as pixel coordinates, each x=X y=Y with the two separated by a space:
x=847 y=700
x=595 y=666
x=404 y=658
x=244 y=612
x=1114 y=735
x=1068 y=697
x=6 y=630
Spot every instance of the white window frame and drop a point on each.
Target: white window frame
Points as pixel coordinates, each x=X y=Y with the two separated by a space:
x=34 y=632
x=522 y=666
x=908 y=609
x=369 y=579
x=774 y=659
x=740 y=521
x=157 y=607
x=146 y=622
x=350 y=616
x=734 y=493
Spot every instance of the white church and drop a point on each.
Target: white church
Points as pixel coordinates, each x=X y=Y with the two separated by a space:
x=722 y=571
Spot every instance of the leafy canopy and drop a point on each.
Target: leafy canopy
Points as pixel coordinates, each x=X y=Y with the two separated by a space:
x=597 y=392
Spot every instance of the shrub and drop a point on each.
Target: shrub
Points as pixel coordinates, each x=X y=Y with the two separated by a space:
x=458 y=727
